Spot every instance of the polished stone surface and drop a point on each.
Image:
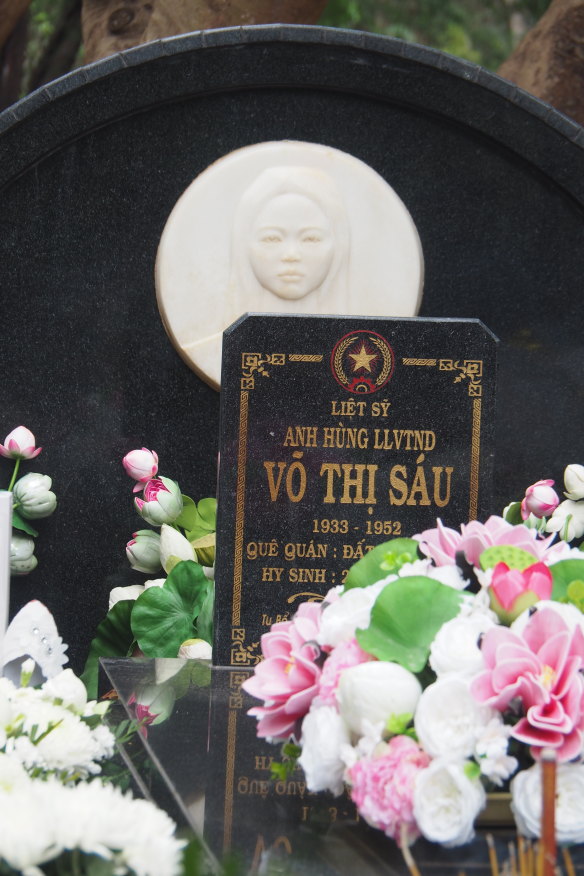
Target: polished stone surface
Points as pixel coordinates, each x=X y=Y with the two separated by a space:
x=338 y=434
x=90 y=169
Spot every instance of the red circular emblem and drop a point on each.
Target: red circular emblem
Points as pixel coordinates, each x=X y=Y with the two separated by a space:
x=362 y=362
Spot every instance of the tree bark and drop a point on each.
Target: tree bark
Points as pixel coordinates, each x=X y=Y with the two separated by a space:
x=549 y=61
x=11 y=11
x=12 y=63
x=110 y=26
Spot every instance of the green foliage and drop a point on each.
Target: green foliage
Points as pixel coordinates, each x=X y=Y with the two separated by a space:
x=19 y=522
x=401 y=725
x=405 y=619
x=203 y=521
x=483 y=32
x=164 y=617
x=282 y=771
x=568 y=576
x=113 y=638
x=385 y=559
x=513 y=513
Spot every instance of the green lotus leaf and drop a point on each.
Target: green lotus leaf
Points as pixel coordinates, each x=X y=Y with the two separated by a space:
x=405 y=619
x=163 y=617
x=385 y=559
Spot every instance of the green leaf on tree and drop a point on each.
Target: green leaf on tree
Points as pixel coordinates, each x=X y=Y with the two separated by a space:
x=405 y=619
x=113 y=638
x=164 y=617
x=385 y=559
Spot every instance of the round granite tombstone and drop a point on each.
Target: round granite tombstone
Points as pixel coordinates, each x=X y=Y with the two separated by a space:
x=90 y=169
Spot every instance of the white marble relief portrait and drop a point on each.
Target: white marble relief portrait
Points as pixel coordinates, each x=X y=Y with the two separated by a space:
x=283 y=227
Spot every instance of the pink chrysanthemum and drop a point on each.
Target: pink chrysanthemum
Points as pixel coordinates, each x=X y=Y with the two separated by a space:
x=383 y=788
x=542 y=669
x=287 y=679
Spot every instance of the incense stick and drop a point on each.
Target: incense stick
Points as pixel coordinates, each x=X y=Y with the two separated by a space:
x=548 y=853
x=568 y=863
x=492 y=855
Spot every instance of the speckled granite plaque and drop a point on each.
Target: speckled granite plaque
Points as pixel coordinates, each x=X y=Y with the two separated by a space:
x=338 y=434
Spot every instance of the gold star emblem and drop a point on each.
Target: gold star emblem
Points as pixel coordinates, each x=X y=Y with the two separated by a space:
x=362 y=359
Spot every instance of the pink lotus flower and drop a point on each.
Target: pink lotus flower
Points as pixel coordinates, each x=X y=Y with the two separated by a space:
x=287 y=679
x=162 y=502
x=514 y=591
x=345 y=655
x=442 y=544
x=541 y=669
x=20 y=444
x=383 y=788
x=141 y=465
x=539 y=500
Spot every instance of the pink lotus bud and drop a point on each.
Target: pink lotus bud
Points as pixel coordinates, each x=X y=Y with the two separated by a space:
x=20 y=444
x=513 y=591
x=162 y=502
x=140 y=465
x=540 y=500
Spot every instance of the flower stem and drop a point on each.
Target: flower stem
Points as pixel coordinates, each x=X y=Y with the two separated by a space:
x=14 y=473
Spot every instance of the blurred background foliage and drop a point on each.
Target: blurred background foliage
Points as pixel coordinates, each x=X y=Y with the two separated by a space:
x=482 y=31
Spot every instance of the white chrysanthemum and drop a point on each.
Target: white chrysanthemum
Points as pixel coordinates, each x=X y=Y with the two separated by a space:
x=12 y=774
x=67 y=688
x=42 y=819
x=491 y=751
x=48 y=735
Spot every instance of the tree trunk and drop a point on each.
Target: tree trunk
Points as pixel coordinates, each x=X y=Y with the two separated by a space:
x=549 y=61
x=110 y=26
x=11 y=11
x=12 y=63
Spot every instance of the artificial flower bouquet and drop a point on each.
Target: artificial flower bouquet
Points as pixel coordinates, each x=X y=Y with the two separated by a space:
x=168 y=616
x=442 y=669
x=32 y=499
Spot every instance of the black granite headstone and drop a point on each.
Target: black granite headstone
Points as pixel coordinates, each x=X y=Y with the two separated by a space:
x=91 y=167
x=338 y=434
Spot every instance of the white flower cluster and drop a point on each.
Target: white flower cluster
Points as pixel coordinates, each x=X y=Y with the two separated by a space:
x=54 y=730
x=41 y=820
x=462 y=739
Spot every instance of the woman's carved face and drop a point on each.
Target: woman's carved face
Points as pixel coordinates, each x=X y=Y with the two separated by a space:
x=291 y=246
